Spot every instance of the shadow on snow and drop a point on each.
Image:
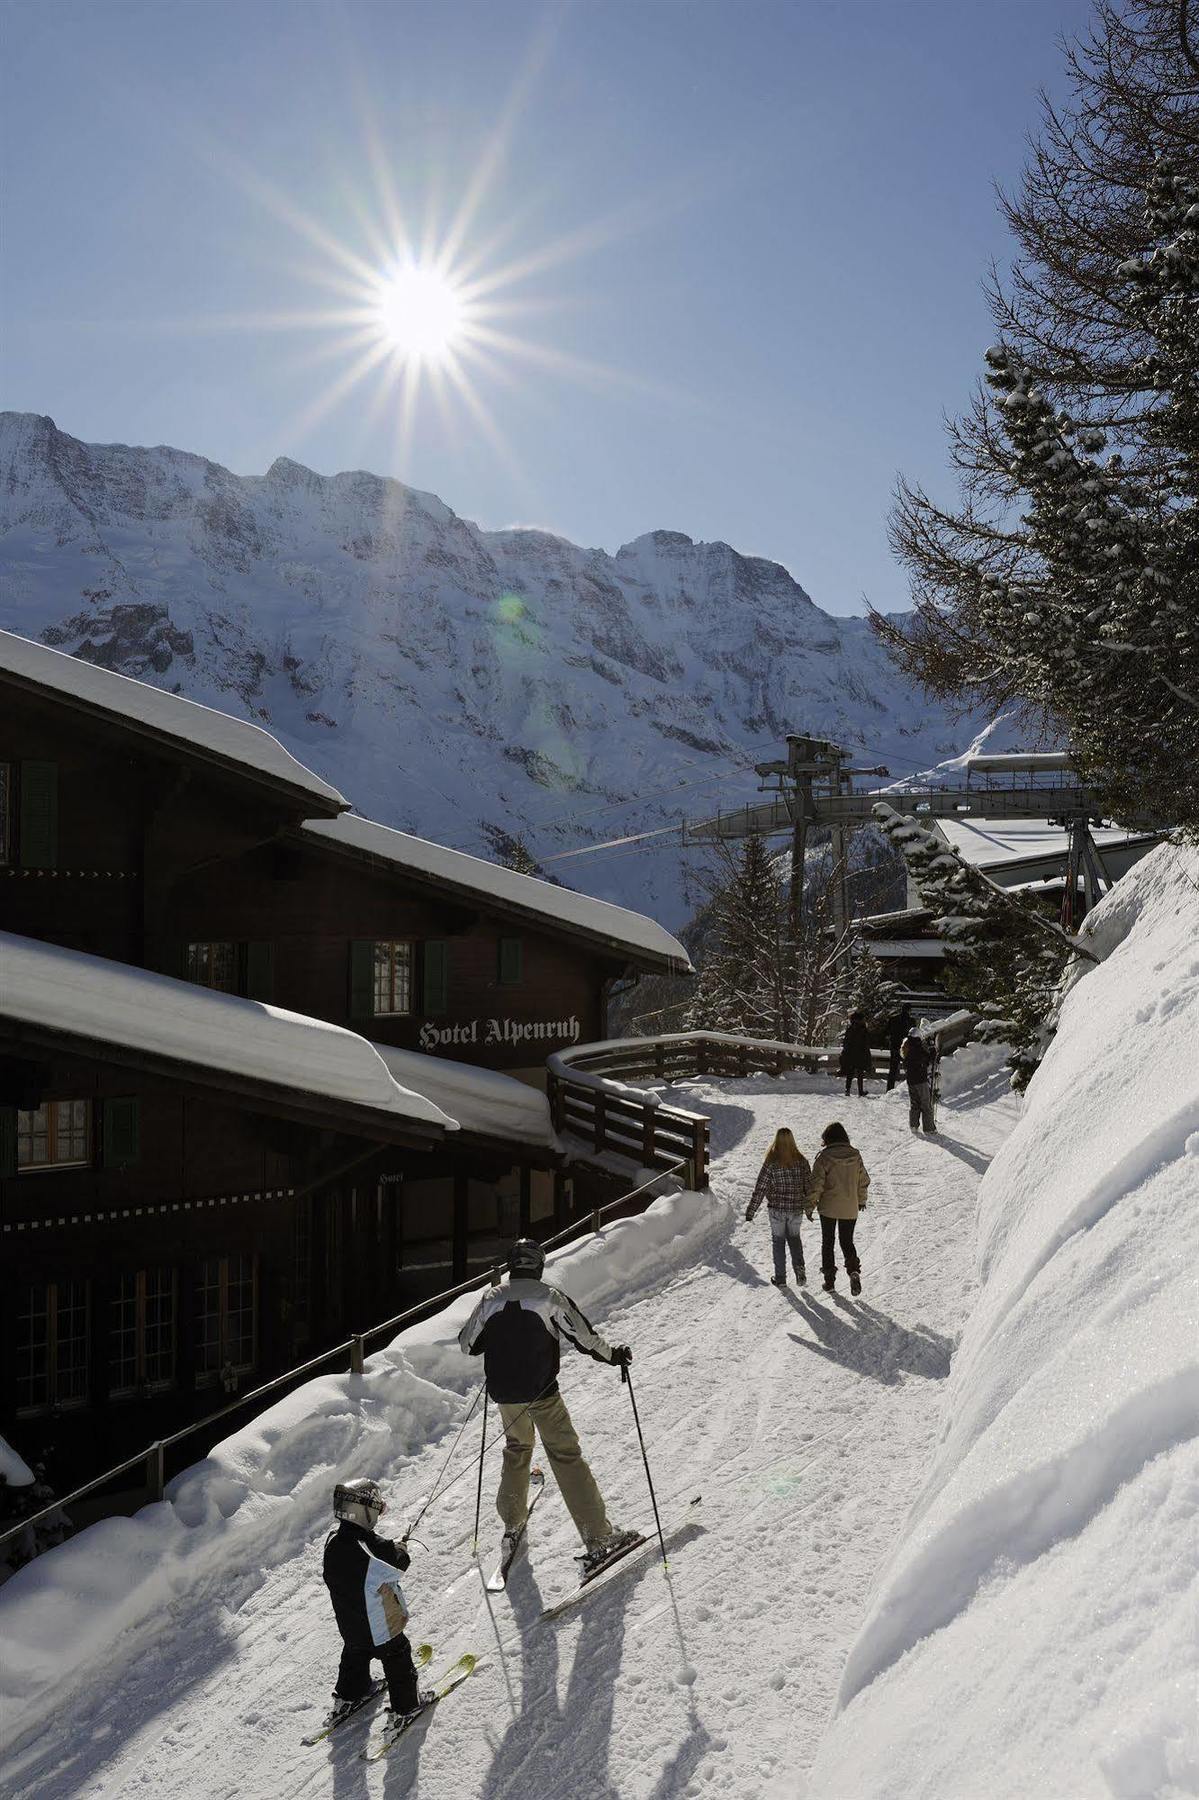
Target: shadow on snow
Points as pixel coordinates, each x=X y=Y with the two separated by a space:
x=859 y=1337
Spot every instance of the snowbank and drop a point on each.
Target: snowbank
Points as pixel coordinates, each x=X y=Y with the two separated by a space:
x=1033 y=1632
x=262 y=1493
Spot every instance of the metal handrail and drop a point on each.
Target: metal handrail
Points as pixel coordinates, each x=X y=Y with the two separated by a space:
x=152 y=1456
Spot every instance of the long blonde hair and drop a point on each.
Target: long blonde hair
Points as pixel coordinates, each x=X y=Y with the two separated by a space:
x=784 y=1151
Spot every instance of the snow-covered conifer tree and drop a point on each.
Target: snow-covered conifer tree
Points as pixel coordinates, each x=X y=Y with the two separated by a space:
x=1007 y=958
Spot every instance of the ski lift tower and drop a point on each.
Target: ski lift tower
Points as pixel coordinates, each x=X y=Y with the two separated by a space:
x=807 y=786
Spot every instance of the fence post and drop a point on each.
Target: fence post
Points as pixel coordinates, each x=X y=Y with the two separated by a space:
x=659 y=1061
x=699 y=1153
x=557 y=1102
x=701 y=1057
x=357 y=1357
x=155 y=1470
x=600 y=1119
x=648 y=1135
x=595 y=1219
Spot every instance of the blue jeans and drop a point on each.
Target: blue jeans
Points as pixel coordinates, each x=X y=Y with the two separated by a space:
x=784 y=1230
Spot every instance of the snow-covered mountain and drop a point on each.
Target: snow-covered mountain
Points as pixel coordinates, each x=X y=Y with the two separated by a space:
x=456 y=682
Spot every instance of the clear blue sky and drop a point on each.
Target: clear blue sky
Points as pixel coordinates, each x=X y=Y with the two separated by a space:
x=740 y=243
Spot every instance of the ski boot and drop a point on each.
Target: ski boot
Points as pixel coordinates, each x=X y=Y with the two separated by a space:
x=397 y=1720
x=600 y=1549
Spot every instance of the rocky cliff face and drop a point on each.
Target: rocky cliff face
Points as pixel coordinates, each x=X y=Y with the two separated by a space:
x=456 y=682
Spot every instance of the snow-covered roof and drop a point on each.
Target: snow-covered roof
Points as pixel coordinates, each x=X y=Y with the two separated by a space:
x=112 y=1003
x=216 y=736
x=985 y=842
x=639 y=937
x=885 y=948
x=481 y=1100
x=14 y=1469
x=1020 y=762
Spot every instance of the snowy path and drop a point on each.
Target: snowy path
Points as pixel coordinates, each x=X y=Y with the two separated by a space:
x=806 y=1421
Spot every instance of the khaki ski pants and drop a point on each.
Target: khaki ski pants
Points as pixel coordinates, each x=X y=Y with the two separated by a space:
x=561 y=1445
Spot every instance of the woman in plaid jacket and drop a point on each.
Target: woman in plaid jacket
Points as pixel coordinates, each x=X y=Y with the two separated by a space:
x=783 y=1184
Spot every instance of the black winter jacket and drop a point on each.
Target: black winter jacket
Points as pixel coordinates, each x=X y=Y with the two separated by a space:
x=517 y=1329
x=365 y=1615
x=917 y=1061
x=855 y=1050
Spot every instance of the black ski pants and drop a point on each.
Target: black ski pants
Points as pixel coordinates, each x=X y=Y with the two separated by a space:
x=354 y=1674
x=850 y=1079
x=830 y=1231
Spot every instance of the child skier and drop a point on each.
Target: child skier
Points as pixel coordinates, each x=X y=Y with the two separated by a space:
x=361 y=1573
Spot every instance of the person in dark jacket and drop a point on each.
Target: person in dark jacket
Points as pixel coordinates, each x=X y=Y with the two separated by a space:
x=855 y=1052
x=518 y=1330
x=898 y=1027
x=361 y=1571
x=918 y=1061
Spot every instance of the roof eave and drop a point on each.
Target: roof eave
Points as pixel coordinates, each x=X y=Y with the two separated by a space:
x=307 y=801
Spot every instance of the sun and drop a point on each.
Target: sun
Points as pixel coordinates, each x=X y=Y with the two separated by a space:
x=421 y=313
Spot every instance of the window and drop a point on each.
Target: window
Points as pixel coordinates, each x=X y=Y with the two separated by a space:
x=52 y=1346
x=226 y=1318
x=213 y=966
x=393 y=978
x=142 y=1356
x=5 y=814
x=55 y=1135
x=509 y=961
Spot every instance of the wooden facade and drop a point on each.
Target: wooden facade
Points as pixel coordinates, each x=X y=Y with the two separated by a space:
x=200 y=1234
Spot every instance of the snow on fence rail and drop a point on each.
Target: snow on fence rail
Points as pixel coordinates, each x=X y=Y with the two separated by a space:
x=587 y=1101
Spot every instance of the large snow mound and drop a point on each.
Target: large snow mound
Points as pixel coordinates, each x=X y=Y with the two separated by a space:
x=261 y=1494
x=1033 y=1633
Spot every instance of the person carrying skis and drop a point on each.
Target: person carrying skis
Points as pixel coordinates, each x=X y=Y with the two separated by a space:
x=855 y=1052
x=918 y=1057
x=838 y=1191
x=783 y=1184
x=518 y=1330
x=361 y=1571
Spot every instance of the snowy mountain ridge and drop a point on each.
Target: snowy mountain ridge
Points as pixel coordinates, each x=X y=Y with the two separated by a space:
x=456 y=682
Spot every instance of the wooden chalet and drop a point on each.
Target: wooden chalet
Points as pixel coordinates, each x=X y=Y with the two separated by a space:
x=177 y=1222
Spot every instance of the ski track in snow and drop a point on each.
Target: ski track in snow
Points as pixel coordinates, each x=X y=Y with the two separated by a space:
x=806 y=1421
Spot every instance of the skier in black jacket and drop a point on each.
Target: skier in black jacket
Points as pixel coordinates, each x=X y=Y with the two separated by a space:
x=518 y=1329
x=361 y=1572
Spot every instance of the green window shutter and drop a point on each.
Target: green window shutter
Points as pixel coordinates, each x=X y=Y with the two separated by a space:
x=362 y=978
x=510 y=961
x=39 y=815
x=8 y=1140
x=437 y=977
x=121 y=1134
x=260 y=971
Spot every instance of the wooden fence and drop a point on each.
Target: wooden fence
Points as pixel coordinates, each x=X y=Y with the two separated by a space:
x=589 y=1100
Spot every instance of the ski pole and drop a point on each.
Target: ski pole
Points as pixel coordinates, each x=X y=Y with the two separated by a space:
x=479 y=1489
x=628 y=1381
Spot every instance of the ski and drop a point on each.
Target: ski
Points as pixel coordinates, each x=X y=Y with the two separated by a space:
x=617 y=1560
x=497 y=1581
x=335 y=1720
x=453 y=1677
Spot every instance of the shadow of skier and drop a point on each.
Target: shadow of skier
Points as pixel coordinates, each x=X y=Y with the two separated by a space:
x=973 y=1158
x=728 y=1260
x=859 y=1337
x=542 y=1749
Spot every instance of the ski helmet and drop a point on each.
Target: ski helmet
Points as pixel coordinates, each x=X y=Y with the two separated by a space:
x=359 y=1502
x=526 y=1257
